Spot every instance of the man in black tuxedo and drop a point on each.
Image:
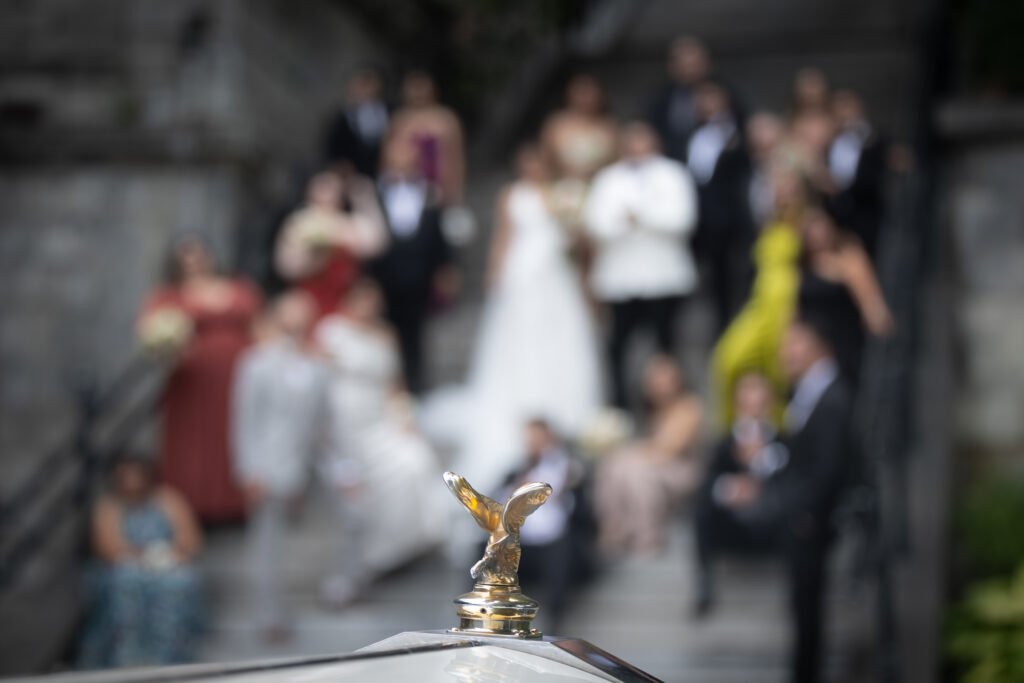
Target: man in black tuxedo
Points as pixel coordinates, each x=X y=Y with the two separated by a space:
x=857 y=166
x=751 y=448
x=793 y=506
x=803 y=497
x=718 y=160
x=673 y=110
x=560 y=539
x=355 y=134
x=418 y=265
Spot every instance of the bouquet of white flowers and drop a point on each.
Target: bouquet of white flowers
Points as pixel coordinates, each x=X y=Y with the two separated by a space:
x=159 y=556
x=609 y=429
x=316 y=227
x=166 y=330
x=566 y=198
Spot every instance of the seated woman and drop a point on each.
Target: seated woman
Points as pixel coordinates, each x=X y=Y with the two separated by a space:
x=638 y=485
x=403 y=508
x=144 y=595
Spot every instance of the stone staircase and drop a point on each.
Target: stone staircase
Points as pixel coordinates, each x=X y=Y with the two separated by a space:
x=868 y=46
x=638 y=609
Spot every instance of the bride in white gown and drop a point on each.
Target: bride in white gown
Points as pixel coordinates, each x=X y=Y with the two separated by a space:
x=400 y=494
x=536 y=354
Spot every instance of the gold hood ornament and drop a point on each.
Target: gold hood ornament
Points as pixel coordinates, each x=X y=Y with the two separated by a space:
x=496 y=605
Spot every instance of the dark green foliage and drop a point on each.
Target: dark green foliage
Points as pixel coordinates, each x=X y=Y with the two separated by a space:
x=985 y=632
x=985 y=629
x=990 y=526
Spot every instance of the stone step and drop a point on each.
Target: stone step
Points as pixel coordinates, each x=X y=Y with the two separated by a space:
x=636 y=608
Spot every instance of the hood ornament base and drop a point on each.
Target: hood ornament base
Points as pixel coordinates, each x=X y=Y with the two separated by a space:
x=496 y=610
x=496 y=605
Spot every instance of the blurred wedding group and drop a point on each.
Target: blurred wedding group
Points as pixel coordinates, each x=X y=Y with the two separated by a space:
x=610 y=231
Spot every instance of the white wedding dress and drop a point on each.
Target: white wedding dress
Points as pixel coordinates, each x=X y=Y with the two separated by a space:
x=401 y=494
x=536 y=353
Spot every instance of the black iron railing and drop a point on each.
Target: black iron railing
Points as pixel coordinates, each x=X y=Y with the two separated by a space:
x=63 y=481
x=885 y=416
x=889 y=406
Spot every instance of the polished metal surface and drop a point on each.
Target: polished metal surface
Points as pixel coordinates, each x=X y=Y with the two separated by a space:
x=421 y=656
x=438 y=660
x=496 y=605
x=572 y=652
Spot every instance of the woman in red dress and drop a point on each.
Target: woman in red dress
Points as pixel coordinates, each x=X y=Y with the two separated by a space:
x=209 y=319
x=321 y=247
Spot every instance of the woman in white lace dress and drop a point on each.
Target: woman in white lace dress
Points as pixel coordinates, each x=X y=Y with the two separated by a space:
x=536 y=353
x=381 y=458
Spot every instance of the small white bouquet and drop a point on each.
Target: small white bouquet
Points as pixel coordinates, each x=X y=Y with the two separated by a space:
x=166 y=330
x=606 y=431
x=159 y=556
x=316 y=227
x=458 y=225
x=566 y=198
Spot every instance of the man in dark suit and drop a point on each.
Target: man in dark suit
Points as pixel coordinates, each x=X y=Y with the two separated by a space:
x=559 y=539
x=794 y=504
x=673 y=110
x=718 y=160
x=355 y=134
x=418 y=264
x=857 y=166
x=750 y=447
x=804 y=495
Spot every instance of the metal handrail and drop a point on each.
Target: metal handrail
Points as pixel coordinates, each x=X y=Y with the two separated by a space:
x=83 y=443
x=92 y=408
x=883 y=410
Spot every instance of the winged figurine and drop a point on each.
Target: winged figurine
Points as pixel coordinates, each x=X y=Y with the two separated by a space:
x=500 y=563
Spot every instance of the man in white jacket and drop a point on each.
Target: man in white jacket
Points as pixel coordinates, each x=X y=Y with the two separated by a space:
x=640 y=213
x=278 y=428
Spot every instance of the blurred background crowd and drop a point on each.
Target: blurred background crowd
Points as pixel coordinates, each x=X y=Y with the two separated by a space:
x=694 y=310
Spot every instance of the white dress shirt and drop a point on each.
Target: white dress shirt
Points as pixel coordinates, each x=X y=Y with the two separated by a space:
x=369 y=120
x=844 y=154
x=403 y=203
x=549 y=521
x=809 y=390
x=706 y=147
x=641 y=213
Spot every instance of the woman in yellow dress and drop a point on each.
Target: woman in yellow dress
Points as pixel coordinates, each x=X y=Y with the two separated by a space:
x=751 y=342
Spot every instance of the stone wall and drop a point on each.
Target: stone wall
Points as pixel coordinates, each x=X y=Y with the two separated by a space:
x=79 y=249
x=983 y=167
x=257 y=76
x=124 y=123
x=232 y=95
